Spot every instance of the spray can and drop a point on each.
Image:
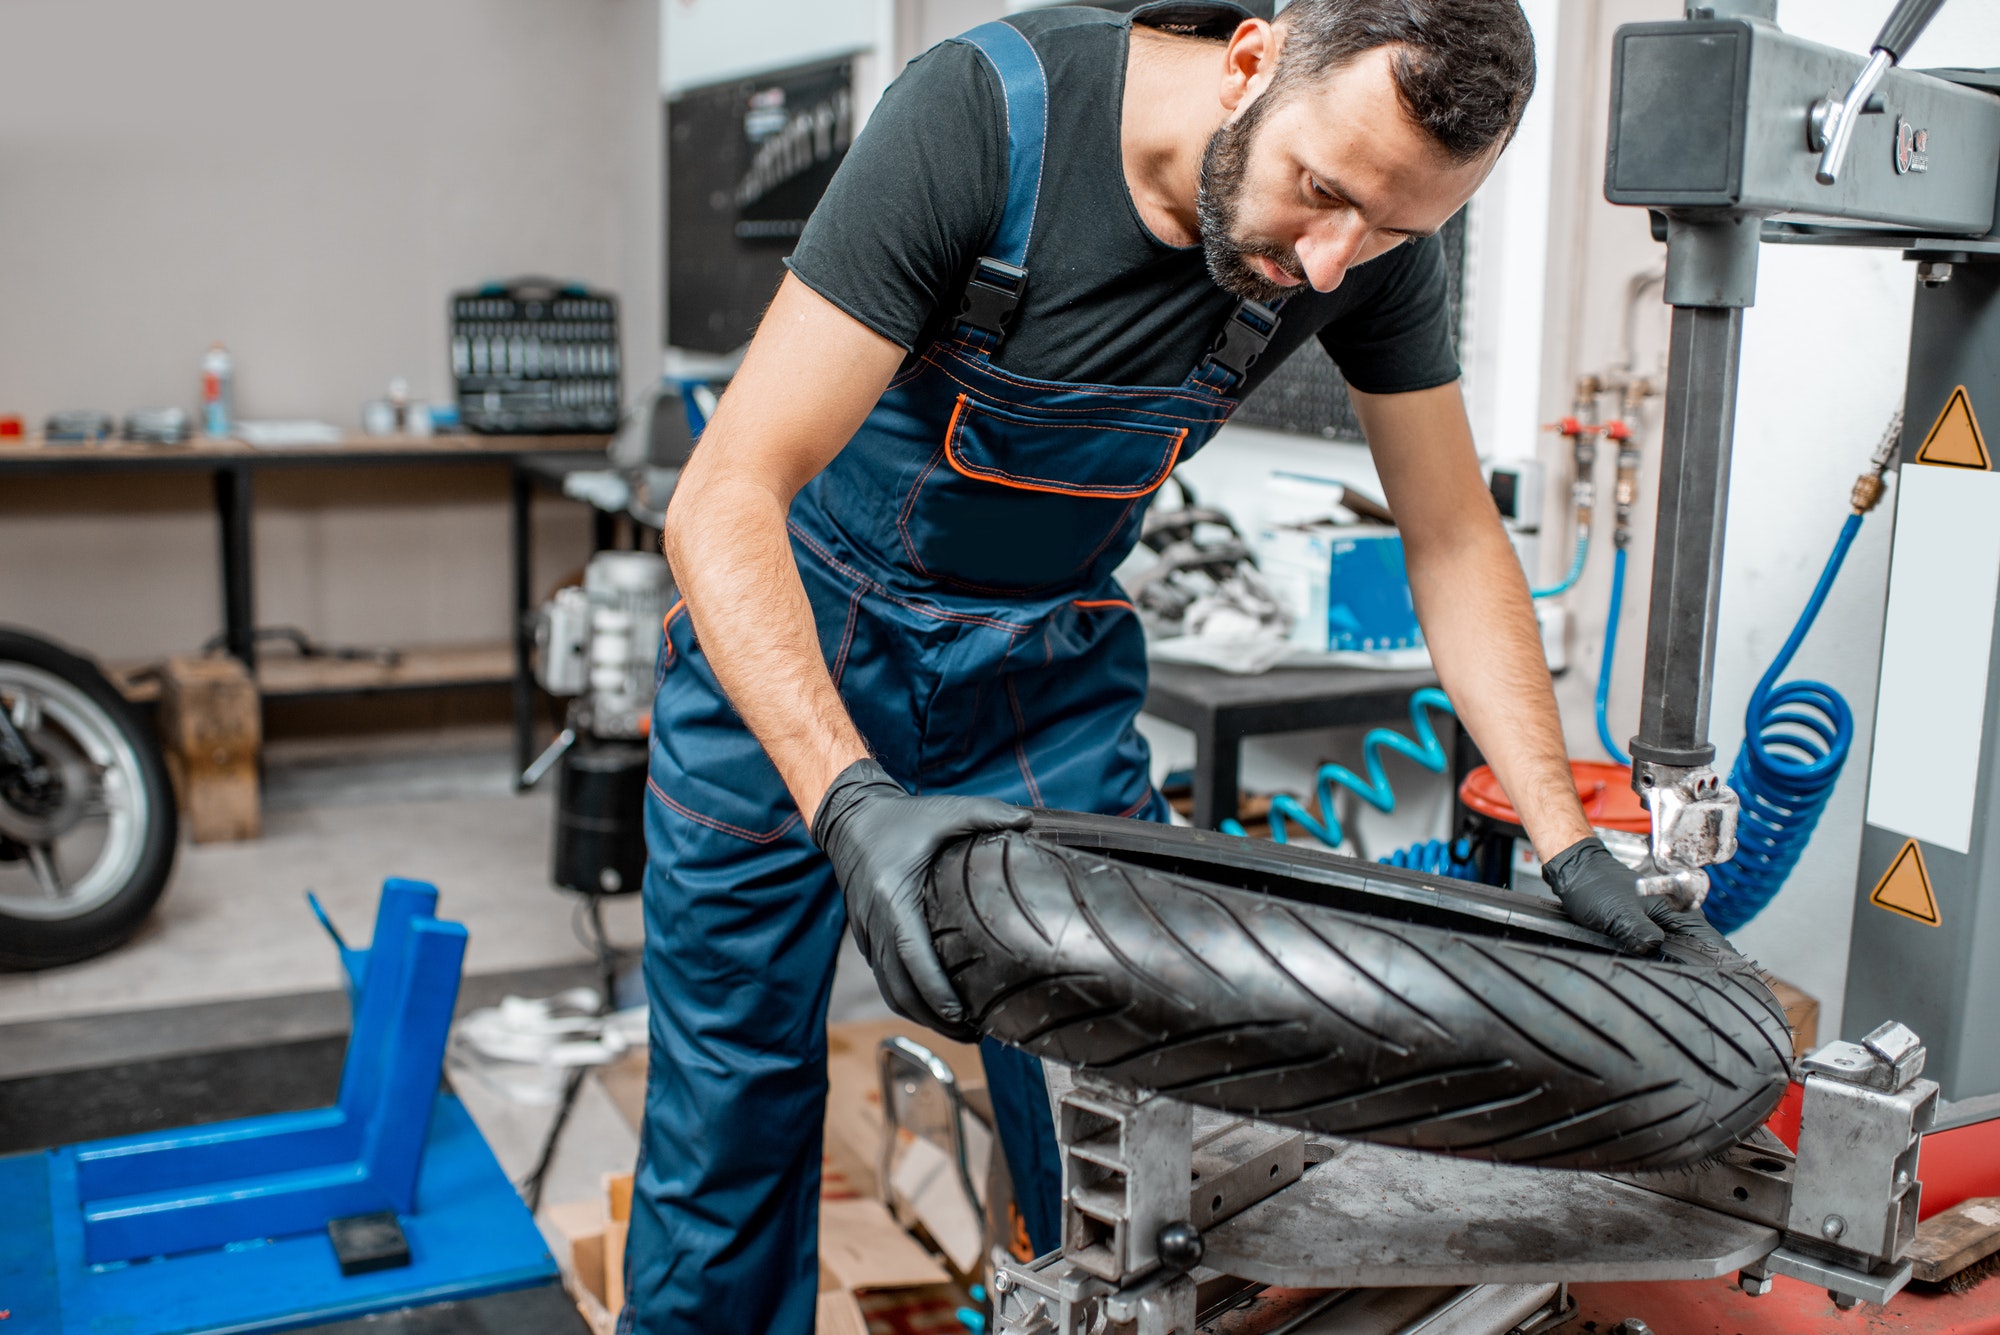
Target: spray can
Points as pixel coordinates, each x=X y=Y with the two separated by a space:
x=218 y=391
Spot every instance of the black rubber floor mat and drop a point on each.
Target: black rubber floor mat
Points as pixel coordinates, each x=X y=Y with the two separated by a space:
x=133 y=1097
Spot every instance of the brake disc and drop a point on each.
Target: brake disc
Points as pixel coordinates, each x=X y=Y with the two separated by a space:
x=42 y=812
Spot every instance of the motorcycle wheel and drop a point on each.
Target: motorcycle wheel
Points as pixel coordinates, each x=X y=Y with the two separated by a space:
x=85 y=854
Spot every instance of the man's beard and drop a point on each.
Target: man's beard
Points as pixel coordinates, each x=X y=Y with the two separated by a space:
x=1218 y=199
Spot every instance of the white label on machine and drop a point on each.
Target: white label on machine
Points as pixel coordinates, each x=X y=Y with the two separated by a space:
x=1930 y=707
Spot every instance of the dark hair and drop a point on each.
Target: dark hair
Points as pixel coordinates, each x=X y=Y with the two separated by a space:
x=1463 y=68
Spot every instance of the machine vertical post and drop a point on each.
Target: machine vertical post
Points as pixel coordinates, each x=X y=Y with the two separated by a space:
x=1687 y=557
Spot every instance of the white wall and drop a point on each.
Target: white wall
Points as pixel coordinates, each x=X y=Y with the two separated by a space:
x=1507 y=265
x=308 y=183
x=707 y=41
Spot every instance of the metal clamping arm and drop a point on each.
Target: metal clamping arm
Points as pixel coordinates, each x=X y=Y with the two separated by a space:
x=1836 y=120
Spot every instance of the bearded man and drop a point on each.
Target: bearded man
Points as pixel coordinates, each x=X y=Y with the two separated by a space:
x=1062 y=251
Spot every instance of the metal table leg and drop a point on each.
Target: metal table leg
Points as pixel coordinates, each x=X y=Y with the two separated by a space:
x=234 y=498
x=524 y=681
x=1217 y=767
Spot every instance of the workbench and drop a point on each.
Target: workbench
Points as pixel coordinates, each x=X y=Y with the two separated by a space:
x=234 y=465
x=1223 y=708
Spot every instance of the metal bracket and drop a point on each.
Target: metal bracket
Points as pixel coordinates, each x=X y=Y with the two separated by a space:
x=1855 y=1194
x=1694 y=817
x=1847 y=1286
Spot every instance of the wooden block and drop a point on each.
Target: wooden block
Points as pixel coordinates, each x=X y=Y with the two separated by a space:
x=580 y=1224
x=1801 y=1013
x=211 y=725
x=1953 y=1239
x=614 y=1264
x=618 y=1195
x=618 y=1204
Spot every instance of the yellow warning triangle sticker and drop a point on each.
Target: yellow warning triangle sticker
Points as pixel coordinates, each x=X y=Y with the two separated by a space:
x=1906 y=887
x=1955 y=440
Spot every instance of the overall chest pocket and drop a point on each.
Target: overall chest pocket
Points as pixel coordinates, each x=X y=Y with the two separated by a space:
x=1018 y=499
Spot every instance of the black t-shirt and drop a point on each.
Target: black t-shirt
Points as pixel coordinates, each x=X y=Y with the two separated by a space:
x=919 y=197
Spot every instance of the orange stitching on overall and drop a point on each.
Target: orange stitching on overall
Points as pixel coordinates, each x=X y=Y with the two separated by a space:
x=847 y=640
x=1101 y=602
x=1002 y=478
x=910 y=505
x=904 y=377
x=1111 y=391
x=1113 y=531
x=667 y=627
x=910 y=501
x=934 y=613
x=769 y=836
x=1132 y=391
x=1020 y=745
x=1141 y=804
x=1202 y=419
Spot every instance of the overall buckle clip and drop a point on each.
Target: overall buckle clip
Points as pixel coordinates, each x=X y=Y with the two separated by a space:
x=1243 y=339
x=993 y=295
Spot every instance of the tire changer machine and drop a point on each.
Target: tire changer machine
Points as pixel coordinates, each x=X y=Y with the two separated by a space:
x=1732 y=133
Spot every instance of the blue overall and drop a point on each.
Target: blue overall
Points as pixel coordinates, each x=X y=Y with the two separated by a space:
x=958 y=556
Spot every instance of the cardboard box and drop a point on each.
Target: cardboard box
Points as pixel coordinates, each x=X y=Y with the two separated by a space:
x=854 y=1093
x=865 y=1254
x=1801 y=1013
x=867 y=1261
x=580 y=1227
x=1345 y=587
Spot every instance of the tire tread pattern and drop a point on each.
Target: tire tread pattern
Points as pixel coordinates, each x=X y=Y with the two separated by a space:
x=1411 y=1034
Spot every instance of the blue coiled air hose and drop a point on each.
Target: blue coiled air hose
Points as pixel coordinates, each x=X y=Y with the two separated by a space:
x=1434 y=856
x=1796 y=739
x=1609 y=656
x=1570 y=576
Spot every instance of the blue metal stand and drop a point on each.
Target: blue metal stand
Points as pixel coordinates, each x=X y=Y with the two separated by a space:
x=223 y=1227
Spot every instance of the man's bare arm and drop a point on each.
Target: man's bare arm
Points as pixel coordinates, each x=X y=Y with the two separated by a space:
x=809 y=379
x=1473 y=600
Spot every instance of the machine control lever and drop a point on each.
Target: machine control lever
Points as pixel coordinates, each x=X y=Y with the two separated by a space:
x=1836 y=121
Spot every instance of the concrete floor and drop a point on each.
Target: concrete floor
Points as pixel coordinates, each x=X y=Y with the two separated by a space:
x=338 y=818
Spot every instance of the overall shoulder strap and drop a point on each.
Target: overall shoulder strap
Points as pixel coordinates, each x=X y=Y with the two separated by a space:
x=1001 y=275
x=1245 y=334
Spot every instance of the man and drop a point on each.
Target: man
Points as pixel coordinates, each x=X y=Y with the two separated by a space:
x=1044 y=274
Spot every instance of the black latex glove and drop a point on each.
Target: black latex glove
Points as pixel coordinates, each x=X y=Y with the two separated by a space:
x=882 y=841
x=1602 y=893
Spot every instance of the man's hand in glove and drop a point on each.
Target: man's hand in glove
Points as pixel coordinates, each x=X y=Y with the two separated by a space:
x=882 y=841
x=1602 y=893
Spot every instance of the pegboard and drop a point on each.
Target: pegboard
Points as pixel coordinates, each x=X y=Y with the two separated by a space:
x=1306 y=395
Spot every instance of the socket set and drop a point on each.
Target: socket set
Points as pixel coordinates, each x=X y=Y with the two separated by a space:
x=535 y=357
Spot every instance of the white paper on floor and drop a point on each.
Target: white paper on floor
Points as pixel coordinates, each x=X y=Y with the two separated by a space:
x=524 y=1048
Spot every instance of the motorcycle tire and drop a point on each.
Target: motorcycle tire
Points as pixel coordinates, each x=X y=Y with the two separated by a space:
x=38 y=936
x=1358 y=1000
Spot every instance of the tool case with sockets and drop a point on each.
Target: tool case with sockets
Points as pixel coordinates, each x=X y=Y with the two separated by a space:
x=536 y=356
